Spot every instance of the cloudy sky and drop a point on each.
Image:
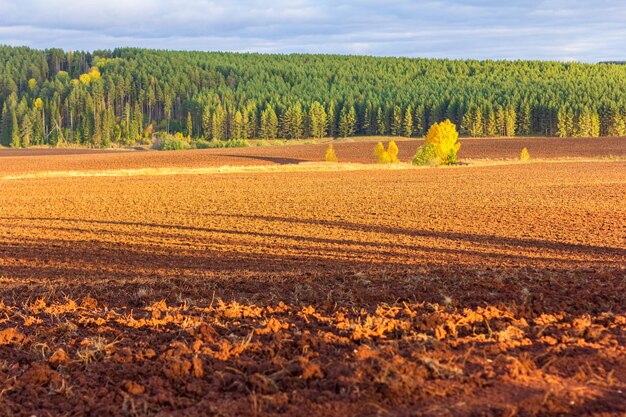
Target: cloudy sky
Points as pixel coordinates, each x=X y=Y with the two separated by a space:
x=591 y=30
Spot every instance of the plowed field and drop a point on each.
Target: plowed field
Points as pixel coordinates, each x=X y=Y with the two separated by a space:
x=474 y=290
x=13 y=161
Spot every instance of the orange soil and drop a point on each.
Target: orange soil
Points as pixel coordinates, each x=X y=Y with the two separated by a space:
x=485 y=291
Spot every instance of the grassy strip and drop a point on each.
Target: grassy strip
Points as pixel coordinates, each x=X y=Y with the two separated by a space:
x=301 y=167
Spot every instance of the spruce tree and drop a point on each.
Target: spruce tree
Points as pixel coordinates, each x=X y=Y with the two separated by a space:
x=347 y=122
x=510 y=121
x=238 y=126
x=15 y=131
x=396 y=121
x=617 y=124
x=419 y=120
x=5 y=126
x=206 y=121
x=408 y=122
x=380 y=122
x=189 y=125
x=318 y=120
x=332 y=123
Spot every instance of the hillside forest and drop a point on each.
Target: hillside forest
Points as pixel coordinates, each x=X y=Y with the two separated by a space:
x=125 y=96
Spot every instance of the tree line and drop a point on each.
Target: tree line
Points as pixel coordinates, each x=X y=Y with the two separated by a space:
x=126 y=95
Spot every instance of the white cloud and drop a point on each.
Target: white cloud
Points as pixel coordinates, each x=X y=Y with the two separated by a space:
x=550 y=29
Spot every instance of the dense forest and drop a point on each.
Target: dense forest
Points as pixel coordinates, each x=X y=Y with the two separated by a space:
x=126 y=96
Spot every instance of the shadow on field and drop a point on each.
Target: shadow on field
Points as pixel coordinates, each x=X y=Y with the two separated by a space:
x=338 y=248
x=148 y=267
x=618 y=254
x=273 y=159
x=465 y=237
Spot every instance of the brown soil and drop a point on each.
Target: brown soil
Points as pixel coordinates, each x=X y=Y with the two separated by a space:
x=492 y=291
x=34 y=160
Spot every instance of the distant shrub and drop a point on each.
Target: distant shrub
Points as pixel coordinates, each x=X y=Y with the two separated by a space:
x=174 y=144
x=330 y=156
x=234 y=143
x=426 y=155
x=524 y=156
x=200 y=144
x=170 y=143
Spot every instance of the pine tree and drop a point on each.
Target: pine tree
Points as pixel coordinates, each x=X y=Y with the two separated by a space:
x=248 y=129
x=347 y=122
x=97 y=132
x=478 y=129
x=408 y=122
x=500 y=122
x=238 y=126
x=27 y=130
x=595 y=125
x=332 y=123
x=293 y=122
x=318 y=120
x=39 y=106
x=396 y=121
x=189 y=125
x=510 y=121
x=206 y=121
x=366 y=128
x=5 y=126
x=564 y=123
x=490 y=124
x=126 y=126
x=15 y=131
x=168 y=97
x=108 y=127
x=452 y=112
x=218 y=120
x=419 y=120
x=269 y=124
x=380 y=122
x=298 y=122
x=473 y=122
x=587 y=124
x=617 y=124
x=524 y=120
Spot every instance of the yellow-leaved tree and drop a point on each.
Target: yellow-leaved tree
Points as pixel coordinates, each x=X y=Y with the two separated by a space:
x=386 y=156
x=330 y=156
x=94 y=73
x=392 y=150
x=524 y=156
x=85 y=79
x=443 y=137
x=379 y=150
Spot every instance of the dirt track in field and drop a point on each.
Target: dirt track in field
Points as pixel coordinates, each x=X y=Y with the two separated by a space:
x=36 y=160
x=484 y=291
